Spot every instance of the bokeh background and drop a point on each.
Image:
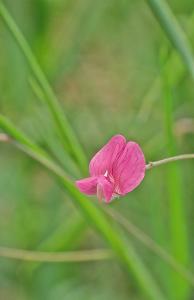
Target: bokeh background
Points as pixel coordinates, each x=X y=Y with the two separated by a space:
x=113 y=70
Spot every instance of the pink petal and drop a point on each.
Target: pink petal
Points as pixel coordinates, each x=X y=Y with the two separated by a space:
x=103 y=160
x=104 y=189
x=129 y=169
x=88 y=185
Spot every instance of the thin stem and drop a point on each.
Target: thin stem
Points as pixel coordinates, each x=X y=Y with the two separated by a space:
x=151 y=244
x=157 y=163
x=5 y=138
x=31 y=149
x=73 y=256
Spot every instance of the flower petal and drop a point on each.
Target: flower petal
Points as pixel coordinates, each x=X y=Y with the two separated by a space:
x=104 y=189
x=103 y=160
x=129 y=169
x=88 y=185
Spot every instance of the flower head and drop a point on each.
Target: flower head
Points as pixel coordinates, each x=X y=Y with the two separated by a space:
x=115 y=170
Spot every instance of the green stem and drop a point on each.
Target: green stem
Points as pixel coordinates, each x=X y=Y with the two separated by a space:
x=157 y=163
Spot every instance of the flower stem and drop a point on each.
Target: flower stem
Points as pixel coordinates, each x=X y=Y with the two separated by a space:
x=157 y=163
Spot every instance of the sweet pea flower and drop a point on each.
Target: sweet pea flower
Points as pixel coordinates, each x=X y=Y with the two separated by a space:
x=115 y=170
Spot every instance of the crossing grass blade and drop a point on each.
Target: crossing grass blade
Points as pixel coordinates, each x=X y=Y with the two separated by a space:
x=173 y=31
x=124 y=250
x=64 y=237
x=177 y=218
x=68 y=137
x=173 y=61
x=49 y=135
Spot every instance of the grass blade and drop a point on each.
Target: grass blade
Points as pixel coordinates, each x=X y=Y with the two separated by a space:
x=177 y=219
x=95 y=216
x=153 y=246
x=67 y=135
x=153 y=92
x=49 y=135
x=52 y=257
x=174 y=32
x=64 y=237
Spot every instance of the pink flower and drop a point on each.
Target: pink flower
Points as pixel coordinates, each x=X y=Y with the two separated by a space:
x=115 y=170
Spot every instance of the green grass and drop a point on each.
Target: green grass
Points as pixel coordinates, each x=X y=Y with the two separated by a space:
x=175 y=194
x=99 y=58
x=68 y=138
x=174 y=32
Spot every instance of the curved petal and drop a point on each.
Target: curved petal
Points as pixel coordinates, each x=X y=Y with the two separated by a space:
x=104 y=189
x=129 y=169
x=103 y=159
x=88 y=185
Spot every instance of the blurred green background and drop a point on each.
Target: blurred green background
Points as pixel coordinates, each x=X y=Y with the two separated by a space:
x=113 y=70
